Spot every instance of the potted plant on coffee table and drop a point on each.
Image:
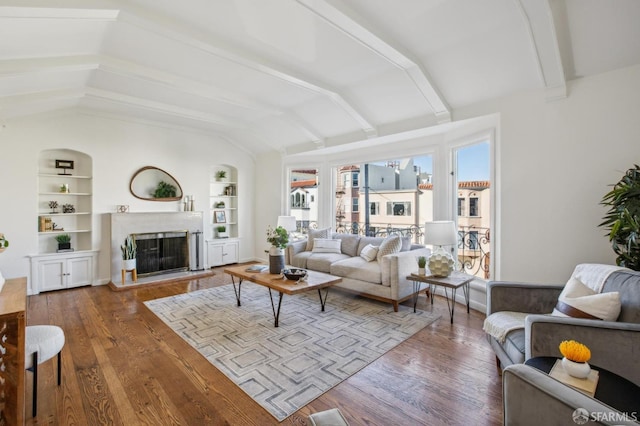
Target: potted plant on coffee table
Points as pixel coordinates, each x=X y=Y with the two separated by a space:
x=278 y=238
x=129 y=251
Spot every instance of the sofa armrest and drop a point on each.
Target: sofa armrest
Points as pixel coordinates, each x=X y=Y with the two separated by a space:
x=293 y=249
x=614 y=345
x=521 y=297
x=396 y=267
x=531 y=397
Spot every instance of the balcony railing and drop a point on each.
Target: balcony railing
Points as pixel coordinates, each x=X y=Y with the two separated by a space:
x=300 y=205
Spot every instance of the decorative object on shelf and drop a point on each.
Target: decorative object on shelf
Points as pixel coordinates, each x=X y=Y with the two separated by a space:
x=64 y=242
x=64 y=165
x=622 y=220
x=422 y=265
x=230 y=190
x=219 y=205
x=53 y=205
x=129 y=252
x=278 y=238
x=68 y=208
x=4 y=243
x=147 y=177
x=64 y=188
x=222 y=231
x=221 y=175
x=575 y=358
x=122 y=208
x=440 y=233
x=219 y=216
x=164 y=190
x=54 y=227
x=45 y=224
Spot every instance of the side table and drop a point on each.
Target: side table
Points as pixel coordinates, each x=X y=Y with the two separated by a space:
x=453 y=282
x=613 y=390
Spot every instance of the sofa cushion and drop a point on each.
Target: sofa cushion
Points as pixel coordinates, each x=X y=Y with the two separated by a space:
x=326 y=245
x=359 y=269
x=406 y=243
x=369 y=253
x=514 y=345
x=364 y=241
x=579 y=301
x=349 y=243
x=317 y=233
x=391 y=244
x=299 y=260
x=321 y=262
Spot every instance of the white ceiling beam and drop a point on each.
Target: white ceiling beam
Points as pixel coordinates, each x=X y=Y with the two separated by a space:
x=538 y=18
x=349 y=25
x=145 y=104
x=186 y=36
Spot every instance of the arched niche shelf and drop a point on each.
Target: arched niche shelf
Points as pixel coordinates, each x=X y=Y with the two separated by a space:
x=147 y=181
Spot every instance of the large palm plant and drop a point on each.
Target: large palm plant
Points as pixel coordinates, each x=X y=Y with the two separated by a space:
x=623 y=218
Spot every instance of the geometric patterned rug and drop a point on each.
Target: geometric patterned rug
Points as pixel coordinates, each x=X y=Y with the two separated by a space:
x=285 y=368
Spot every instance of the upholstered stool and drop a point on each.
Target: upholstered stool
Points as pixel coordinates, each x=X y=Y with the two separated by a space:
x=331 y=417
x=134 y=275
x=42 y=342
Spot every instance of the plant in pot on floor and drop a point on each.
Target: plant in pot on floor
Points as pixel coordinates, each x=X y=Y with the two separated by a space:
x=129 y=251
x=64 y=242
x=622 y=220
x=278 y=238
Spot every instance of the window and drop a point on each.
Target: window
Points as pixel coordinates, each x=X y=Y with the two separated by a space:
x=473 y=240
x=460 y=206
x=374 y=209
x=354 y=204
x=473 y=206
x=354 y=180
x=398 y=208
x=303 y=188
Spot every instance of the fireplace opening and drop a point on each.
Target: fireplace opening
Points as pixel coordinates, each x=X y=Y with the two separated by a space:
x=162 y=252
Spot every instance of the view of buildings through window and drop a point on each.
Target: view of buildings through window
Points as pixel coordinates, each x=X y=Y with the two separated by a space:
x=396 y=196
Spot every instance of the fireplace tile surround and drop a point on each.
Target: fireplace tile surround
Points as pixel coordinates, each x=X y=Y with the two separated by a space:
x=123 y=224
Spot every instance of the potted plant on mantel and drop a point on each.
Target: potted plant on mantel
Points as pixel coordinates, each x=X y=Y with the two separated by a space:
x=64 y=242
x=278 y=238
x=129 y=251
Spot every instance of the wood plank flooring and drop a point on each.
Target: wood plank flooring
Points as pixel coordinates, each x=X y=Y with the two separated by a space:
x=123 y=366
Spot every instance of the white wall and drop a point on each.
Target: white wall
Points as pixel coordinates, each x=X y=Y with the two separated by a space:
x=118 y=148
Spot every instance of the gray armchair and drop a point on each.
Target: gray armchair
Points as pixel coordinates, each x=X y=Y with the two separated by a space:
x=615 y=346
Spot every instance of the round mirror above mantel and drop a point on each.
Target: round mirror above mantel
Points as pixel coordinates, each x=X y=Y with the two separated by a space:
x=153 y=184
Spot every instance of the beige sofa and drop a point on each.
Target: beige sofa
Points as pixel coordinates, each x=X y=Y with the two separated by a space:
x=383 y=279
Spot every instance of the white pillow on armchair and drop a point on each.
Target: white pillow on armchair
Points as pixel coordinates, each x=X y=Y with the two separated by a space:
x=579 y=301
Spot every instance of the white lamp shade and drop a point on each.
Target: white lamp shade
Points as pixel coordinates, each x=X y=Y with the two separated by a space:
x=287 y=222
x=440 y=233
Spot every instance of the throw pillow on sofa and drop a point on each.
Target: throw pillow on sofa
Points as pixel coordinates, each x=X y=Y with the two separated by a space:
x=326 y=245
x=316 y=233
x=390 y=245
x=579 y=301
x=369 y=252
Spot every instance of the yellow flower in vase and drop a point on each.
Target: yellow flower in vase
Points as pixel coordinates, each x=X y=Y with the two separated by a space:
x=575 y=351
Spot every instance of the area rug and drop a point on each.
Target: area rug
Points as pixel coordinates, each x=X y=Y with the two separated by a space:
x=285 y=368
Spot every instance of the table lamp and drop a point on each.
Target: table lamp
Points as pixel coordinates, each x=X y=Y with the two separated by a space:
x=287 y=222
x=437 y=234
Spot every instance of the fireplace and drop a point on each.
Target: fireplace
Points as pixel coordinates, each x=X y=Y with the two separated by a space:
x=170 y=235
x=160 y=252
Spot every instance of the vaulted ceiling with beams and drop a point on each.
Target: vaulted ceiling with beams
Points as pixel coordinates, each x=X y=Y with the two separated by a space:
x=291 y=75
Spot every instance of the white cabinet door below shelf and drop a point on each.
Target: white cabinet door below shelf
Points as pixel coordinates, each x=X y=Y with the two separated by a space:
x=222 y=252
x=80 y=271
x=51 y=274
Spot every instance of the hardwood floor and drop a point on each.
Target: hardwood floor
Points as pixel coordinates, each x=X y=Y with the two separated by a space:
x=122 y=366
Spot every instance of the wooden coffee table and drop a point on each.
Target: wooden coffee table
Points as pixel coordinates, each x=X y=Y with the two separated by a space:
x=315 y=280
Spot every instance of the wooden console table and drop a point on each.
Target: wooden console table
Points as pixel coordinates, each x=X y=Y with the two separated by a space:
x=13 y=320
